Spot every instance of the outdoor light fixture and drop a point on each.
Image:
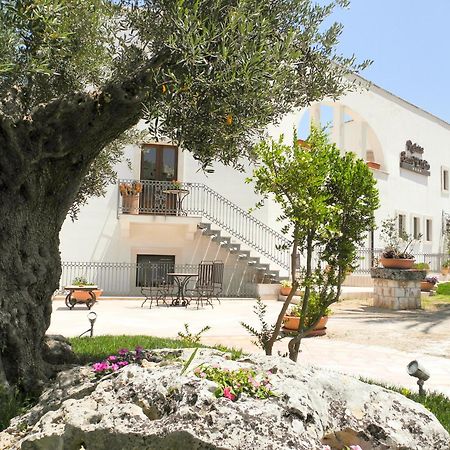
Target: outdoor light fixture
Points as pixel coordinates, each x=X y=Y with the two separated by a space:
x=92 y=317
x=416 y=370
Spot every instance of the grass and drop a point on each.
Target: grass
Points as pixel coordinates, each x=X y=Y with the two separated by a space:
x=435 y=302
x=435 y=402
x=13 y=404
x=98 y=348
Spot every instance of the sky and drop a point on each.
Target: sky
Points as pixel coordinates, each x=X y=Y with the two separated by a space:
x=409 y=42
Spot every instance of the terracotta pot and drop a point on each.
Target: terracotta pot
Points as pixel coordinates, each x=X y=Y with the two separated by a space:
x=292 y=323
x=426 y=286
x=83 y=296
x=285 y=290
x=397 y=263
x=445 y=270
x=373 y=165
x=130 y=204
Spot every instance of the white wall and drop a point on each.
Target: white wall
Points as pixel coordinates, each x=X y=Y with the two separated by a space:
x=389 y=122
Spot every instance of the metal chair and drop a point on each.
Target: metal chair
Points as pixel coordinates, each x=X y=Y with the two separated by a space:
x=155 y=284
x=209 y=283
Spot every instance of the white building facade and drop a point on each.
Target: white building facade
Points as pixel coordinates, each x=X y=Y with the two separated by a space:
x=408 y=149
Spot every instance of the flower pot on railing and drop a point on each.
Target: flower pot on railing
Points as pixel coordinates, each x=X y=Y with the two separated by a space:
x=130 y=204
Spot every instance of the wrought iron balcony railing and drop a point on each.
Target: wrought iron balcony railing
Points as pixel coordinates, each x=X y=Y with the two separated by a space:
x=198 y=200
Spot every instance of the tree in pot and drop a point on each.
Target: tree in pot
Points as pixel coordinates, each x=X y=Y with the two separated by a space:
x=74 y=76
x=316 y=318
x=328 y=202
x=397 y=243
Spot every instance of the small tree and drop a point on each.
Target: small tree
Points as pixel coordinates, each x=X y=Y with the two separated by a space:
x=328 y=203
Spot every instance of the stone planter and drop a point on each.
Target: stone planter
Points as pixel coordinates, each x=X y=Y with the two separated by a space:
x=397 y=263
x=426 y=286
x=291 y=323
x=130 y=204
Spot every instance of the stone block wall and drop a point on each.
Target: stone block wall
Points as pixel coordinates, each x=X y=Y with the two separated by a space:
x=397 y=288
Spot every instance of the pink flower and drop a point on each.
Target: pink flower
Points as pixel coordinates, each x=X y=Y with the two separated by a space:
x=100 y=367
x=203 y=374
x=326 y=447
x=228 y=394
x=123 y=351
x=123 y=363
x=355 y=447
x=197 y=370
x=115 y=367
x=112 y=358
x=139 y=349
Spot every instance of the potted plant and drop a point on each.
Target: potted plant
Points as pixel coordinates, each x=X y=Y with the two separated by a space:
x=395 y=254
x=291 y=320
x=445 y=267
x=286 y=287
x=130 y=196
x=83 y=296
x=428 y=284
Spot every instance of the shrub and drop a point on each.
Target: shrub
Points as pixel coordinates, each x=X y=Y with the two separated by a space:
x=443 y=289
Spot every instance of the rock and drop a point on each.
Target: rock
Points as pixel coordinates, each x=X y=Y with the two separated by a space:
x=156 y=408
x=57 y=350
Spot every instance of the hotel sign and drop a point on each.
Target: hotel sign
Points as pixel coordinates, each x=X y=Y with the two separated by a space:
x=411 y=159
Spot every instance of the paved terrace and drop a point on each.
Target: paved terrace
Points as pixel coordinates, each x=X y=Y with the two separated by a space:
x=361 y=340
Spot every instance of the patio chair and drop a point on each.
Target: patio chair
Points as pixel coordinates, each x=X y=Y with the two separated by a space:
x=209 y=283
x=156 y=285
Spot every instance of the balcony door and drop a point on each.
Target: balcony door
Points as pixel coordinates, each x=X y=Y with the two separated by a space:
x=158 y=163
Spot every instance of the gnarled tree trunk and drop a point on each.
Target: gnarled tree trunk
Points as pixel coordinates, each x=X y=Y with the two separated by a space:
x=43 y=159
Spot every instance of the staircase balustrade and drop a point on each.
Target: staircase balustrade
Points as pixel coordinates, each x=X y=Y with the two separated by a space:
x=202 y=201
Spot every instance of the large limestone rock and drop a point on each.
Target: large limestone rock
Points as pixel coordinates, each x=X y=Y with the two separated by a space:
x=154 y=407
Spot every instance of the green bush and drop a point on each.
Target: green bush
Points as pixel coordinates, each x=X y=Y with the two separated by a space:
x=443 y=289
x=421 y=266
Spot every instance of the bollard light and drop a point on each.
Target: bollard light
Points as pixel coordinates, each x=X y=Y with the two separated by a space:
x=92 y=317
x=417 y=371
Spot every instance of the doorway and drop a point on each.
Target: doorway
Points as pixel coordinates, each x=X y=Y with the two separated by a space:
x=159 y=163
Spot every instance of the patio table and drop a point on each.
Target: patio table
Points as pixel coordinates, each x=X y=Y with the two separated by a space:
x=181 y=279
x=180 y=194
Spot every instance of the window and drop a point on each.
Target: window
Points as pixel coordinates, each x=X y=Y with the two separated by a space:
x=428 y=230
x=401 y=224
x=416 y=227
x=444 y=179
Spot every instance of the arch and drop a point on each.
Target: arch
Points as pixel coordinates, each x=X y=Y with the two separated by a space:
x=347 y=128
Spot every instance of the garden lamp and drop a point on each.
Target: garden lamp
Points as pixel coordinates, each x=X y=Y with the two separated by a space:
x=416 y=370
x=92 y=317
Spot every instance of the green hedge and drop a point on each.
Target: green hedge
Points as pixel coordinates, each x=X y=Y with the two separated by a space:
x=443 y=288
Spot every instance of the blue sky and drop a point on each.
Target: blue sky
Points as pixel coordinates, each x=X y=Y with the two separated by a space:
x=409 y=42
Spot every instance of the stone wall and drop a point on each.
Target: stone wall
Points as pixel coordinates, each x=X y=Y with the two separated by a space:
x=397 y=288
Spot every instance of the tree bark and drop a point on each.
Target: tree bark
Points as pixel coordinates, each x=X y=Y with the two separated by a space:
x=43 y=159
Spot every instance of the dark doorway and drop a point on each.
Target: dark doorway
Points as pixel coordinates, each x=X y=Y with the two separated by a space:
x=152 y=269
x=159 y=163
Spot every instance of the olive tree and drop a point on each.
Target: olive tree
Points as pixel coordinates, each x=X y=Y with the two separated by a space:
x=328 y=202
x=208 y=75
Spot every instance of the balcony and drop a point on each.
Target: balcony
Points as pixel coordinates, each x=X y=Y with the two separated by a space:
x=160 y=198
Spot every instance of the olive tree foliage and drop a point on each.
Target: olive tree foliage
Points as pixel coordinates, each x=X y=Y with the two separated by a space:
x=328 y=202
x=75 y=75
